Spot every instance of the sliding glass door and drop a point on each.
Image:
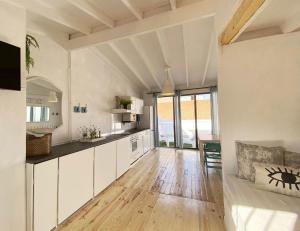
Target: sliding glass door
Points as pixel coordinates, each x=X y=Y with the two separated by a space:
x=182 y=119
x=195 y=114
x=165 y=122
x=188 y=125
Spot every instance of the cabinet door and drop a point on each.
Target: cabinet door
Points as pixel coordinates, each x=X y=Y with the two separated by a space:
x=123 y=155
x=152 y=139
x=45 y=195
x=147 y=140
x=75 y=182
x=105 y=166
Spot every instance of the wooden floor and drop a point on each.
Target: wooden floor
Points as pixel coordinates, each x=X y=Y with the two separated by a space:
x=165 y=190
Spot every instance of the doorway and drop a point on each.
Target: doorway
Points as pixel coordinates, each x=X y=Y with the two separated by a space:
x=165 y=122
x=196 y=119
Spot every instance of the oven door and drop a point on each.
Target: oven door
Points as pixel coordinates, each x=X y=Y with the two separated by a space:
x=134 y=145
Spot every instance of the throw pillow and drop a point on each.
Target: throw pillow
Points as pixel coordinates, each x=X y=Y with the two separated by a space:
x=278 y=178
x=292 y=159
x=247 y=154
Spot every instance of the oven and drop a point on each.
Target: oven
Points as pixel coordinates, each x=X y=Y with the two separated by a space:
x=135 y=152
x=134 y=143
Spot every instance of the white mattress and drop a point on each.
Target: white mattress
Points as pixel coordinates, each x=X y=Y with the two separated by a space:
x=249 y=208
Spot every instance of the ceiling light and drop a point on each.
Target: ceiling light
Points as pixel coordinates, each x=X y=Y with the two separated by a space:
x=52 y=98
x=168 y=89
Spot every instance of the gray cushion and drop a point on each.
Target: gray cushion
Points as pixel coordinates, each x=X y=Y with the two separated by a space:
x=292 y=159
x=247 y=154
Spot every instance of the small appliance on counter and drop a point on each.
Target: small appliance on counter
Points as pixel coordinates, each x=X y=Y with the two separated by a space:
x=128 y=117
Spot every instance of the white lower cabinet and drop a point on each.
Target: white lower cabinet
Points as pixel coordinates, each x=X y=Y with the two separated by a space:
x=152 y=140
x=123 y=155
x=75 y=183
x=42 y=195
x=146 y=141
x=105 y=166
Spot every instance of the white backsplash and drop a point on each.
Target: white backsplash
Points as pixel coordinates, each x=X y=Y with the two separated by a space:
x=118 y=126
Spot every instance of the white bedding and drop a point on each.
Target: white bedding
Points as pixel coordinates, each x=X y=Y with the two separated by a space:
x=249 y=208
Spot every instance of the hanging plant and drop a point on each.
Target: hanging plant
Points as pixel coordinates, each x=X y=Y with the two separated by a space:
x=30 y=41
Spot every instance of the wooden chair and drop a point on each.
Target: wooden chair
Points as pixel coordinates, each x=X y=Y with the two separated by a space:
x=212 y=156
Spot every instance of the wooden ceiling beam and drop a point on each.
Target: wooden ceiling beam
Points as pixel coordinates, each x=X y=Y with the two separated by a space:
x=163 y=46
x=54 y=15
x=140 y=50
x=210 y=48
x=173 y=4
x=196 y=11
x=134 y=10
x=87 y=8
x=98 y=53
x=246 y=12
x=292 y=24
x=123 y=57
x=186 y=59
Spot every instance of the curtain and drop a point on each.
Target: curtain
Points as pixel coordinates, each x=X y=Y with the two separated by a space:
x=215 y=111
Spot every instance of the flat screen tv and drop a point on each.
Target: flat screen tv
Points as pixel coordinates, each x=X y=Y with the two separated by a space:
x=10 y=67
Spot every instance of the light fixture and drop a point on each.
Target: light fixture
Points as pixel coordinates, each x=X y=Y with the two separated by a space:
x=168 y=88
x=52 y=98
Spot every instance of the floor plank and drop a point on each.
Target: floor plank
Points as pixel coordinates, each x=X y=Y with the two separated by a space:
x=165 y=190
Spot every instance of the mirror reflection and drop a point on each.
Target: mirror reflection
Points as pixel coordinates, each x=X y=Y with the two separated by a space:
x=43 y=104
x=38 y=114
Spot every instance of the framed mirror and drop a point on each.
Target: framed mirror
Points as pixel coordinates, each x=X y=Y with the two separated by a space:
x=43 y=105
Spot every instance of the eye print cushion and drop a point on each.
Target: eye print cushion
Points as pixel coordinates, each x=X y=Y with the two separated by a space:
x=278 y=178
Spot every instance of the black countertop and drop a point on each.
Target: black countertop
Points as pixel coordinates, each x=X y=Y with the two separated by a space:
x=76 y=146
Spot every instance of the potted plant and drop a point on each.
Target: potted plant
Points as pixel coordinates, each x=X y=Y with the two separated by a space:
x=125 y=103
x=30 y=41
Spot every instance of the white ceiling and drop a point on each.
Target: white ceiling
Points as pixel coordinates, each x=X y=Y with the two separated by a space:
x=277 y=13
x=188 y=48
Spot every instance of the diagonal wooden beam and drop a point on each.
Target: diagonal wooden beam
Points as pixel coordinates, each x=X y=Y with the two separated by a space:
x=246 y=12
x=173 y=4
x=186 y=58
x=196 y=11
x=91 y=10
x=211 y=43
x=54 y=15
x=129 y=65
x=98 y=53
x=134 y=10
x=292 y=24
x=163 y=46
x=140 y=50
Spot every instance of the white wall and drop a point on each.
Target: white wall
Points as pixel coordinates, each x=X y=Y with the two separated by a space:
x=51 y=62
x=96 y=84
x=12 y=132
x=259 y=93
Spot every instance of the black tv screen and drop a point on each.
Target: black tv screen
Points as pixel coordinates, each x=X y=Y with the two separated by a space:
x=10 y=67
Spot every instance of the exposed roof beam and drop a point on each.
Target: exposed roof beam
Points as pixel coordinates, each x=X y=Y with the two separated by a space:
x=54 y=15
x=212 y=41
x=186 y=59
x=292 y=24
x=247 y=11
x=163 y=46
x=97 y=52
x=129 y=65
x=91 y=10
x=57 y=36
x=202 y=9
x=140 y=50
x=135 y=11
x=173 y=4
